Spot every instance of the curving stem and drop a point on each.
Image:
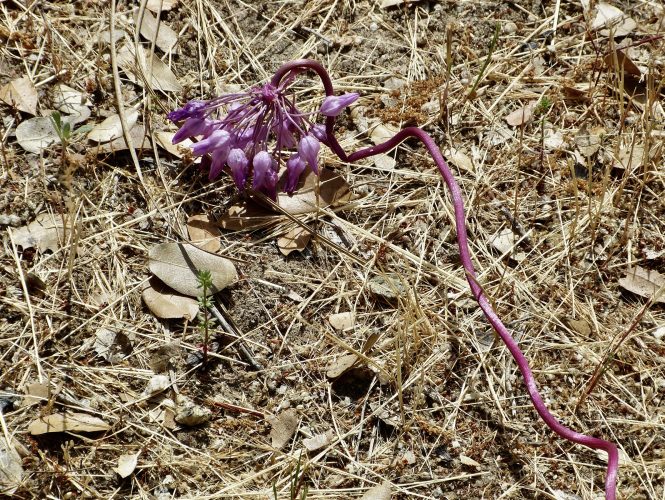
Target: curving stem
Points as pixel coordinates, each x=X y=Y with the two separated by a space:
x=465 y=257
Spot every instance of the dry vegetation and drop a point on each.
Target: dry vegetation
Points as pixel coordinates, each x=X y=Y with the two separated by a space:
x=564 y=199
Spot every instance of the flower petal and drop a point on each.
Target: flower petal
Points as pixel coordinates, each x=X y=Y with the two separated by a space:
x=218 y=139
x=295 y=166
x=239 y=165
x=333 y=105
x=308 y=148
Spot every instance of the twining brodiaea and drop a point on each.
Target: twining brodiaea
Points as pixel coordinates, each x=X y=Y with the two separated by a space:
x=260 y=130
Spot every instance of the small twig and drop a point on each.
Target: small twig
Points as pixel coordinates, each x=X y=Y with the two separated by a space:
x=243 y=350
x=235 y=408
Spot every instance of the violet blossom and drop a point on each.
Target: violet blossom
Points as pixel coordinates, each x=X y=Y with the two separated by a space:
x=258 y=128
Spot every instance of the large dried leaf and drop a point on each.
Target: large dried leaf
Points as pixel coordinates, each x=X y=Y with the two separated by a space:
x=319 y=441
x=11 y=468
x=284 y=427
x=333 y=190
x=126 y=464
x=137 y=136
x=612 y=17
x=177 y=265
x=624 y=63
x=36 y=134
x=521 y=116
x=46 y=232
x=644 y=282
x=204 y=233
x=21 y=94
x=164 y=140
x=341 y=365
x=379 y=492
x=247 y=216
x=111 y=127
x=61 y=422
x=71 y=102
x=342 y=321
x=162 y=77
x=160 y=5
x=294 y=240
x=166 y=304
x=459 y=159
x=161 y=33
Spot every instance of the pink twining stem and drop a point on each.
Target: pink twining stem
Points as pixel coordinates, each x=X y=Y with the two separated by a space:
x=465 y=256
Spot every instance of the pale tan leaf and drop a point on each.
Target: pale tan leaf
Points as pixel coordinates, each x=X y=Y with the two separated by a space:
x=505 y=242
x=606 y=14
x=126 y=464
x=521 y=116
x=46 y=232
x=333 y=191
x=342 y=321
x=459 y=159
x=111 y=345
x=319 y=441
x=70 y=421
x=71 y=102
x=162 y=77
x=644 y=282
x=163 y=5
x=587 y=143
x=177 y=265
x=156 y=385
x=391 y=3
x=21 y=94
x=247 y=216
x=381 y=132
x=468 y=461
x=343 y=363
x=36 y=134
x=137 y=136
x=204 y=233
x=159 y=32
x=284 y=427
x=389 y=286
x=11 y=468
x=379 y=492
x=164 y=139
x=294 y=240
x=166 y=304
x=384 y=162
x=111 y=127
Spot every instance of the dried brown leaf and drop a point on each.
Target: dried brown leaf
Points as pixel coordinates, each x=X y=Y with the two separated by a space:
x=11 y=468
x=319 y=441
x=333 y=190
x=162 y=77
x=204 y=233
x=177 y=265
x=111 y=127
x=36 y=134
x=137 y=136
x=164 y=139
x=339 y=366
x=645 y=283
x=284 y=427
x=159 y=32
x=163 y=5
x=342 y=321
x=126 y=464
x=61 y=422
x=247 y=216
x=521 y=116
x=294 y=240
x=46 y=232
x=21 y=94
x=379 y=492
x=166 y=304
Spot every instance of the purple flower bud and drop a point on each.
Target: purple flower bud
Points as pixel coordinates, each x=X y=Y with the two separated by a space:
x=219 y=157
x=309 y=150
x=193 y=109
x=294 y=169
x=265 y=177
x=239 y=165
x=191 y=127
x=333 y=105
x=218 y=139
x=318 y=130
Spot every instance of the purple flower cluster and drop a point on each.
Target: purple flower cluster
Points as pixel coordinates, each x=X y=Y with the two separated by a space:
x=260 y=130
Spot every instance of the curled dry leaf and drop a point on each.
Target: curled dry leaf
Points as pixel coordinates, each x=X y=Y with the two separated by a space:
x=645 y=283
x=284 y=427
x=379 y=492
x=341 y=321
x=247 y=216
x=505 y=242
x=21 y=94
x=294 y=240
x=319 y=441
x=156 y=385
x=11 y=468
x=333 y=190
x=158 y=31
x=111 y=127
x=611 y=17
x=164 y=139
x=162 y=77
x=588 y=143
x=459 y=159
x=204 y=233
x=177 y=265
x=338 y=367
x=36 y=134
x=166 y=304
x=521 y=116
x=190 y=414
x=62 y=422
x=137 y=136
x=126 y=464
x=46 y=232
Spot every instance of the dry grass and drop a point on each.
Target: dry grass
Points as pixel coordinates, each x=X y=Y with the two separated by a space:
x=437 y=388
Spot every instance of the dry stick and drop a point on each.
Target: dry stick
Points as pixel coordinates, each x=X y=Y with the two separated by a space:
x=465 y=257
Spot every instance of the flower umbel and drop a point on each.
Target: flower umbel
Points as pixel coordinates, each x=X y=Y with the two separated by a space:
x=257 y=130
